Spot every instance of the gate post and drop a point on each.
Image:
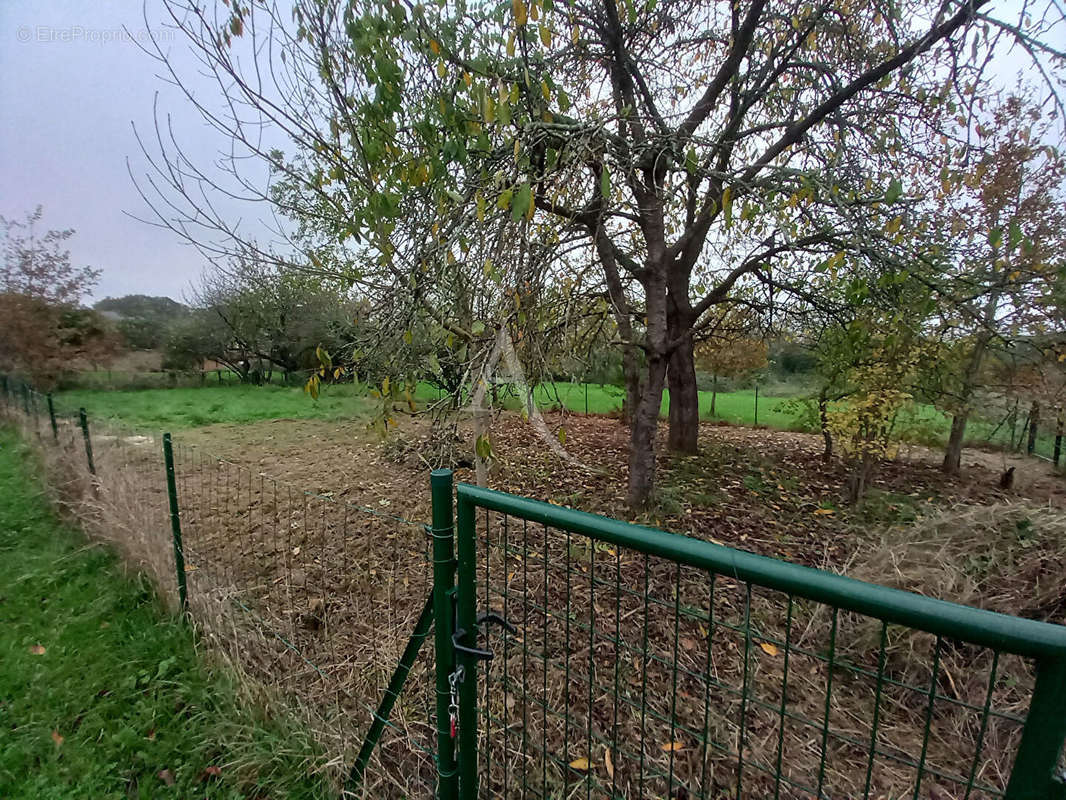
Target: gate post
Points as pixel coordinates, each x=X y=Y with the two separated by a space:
x=440 y=481
x=467 y=622
x=1032 y=776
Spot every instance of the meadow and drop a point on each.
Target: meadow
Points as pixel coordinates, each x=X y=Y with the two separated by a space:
x=189 y=407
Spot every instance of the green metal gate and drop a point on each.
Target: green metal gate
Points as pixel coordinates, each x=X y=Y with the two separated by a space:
x=594 y=658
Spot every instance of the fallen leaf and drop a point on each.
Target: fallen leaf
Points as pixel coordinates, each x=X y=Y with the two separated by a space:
x=37 y=649
x=57 y=738
x=688 y=644
x=769 y=649
x=582 y=764
x=671 y=747
x=296 y=550
x=166 y=776
x=151 y=735
x=608 y=763
x=212 y=772
x=823 y=512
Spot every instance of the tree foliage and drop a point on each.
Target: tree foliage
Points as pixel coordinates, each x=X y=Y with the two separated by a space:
x=43 y=329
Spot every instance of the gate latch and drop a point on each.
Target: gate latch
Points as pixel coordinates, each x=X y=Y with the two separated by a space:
x=485 y=618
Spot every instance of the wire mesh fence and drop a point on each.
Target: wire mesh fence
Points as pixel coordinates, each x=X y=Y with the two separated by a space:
x=641 y=664
x=631 y=674
x=311 y=599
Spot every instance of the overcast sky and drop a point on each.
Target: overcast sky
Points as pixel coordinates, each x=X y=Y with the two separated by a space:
x=72 y=83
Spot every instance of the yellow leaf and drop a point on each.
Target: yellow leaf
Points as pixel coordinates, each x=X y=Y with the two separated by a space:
x=582 y=764
x=37 y=649
x=57 y=738
x=434 y=45
x=441 y=69
x=608 y=763
x=546 y=35
x=1014 y=275
x=671 y=747
x=824 y=512
x=510 y=45
x=521 y=13
x=575 y=34
x=545 y=90
x=769 y=649
x=468 y=79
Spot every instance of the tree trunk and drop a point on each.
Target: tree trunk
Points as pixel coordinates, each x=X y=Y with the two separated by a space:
x=714 y=394
x=631 y=374
x=642 y=429
x=1034 y=423
x=823 y=421
x=953 y=452
x=684 y=401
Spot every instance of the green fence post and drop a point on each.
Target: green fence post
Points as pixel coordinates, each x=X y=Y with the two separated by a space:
x=88 y=442
x=443 y=532
x=175 y=525
x=52 y=417
x=1032 y=777
x=467 y=622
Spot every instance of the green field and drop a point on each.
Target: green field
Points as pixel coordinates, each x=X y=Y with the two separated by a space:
x=236 y=403
x=102 y=694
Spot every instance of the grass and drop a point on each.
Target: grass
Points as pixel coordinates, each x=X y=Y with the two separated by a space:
x=102 y=694
x=187 y=408
x=178 y=408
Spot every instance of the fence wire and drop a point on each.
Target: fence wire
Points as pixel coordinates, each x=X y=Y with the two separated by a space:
x=633 y=676
x=311 y=599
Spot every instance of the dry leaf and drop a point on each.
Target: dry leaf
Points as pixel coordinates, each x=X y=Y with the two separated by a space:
x=37 y=649
x=57 y=738
x=688 y=644
x=769 y=649
x=166 y=776
x=608 y=763
x=671 y=747
x=823 y=512
x=582 y=764
x=151 y=735
x=212 y=772
x=296 y=550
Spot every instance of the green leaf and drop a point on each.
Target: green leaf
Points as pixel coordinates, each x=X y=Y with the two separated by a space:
x=1015 y=235
x=995 y=238
x=477 y=328
x=605 y=183
x=520 y=204
x=895 y=191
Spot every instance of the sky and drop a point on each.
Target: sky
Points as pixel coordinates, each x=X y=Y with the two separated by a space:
x=73 y=84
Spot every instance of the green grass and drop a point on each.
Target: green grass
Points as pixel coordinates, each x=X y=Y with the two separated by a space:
x=101 y=691
x=186 y=408
x=190 y=407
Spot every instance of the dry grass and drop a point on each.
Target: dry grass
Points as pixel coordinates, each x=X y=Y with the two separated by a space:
x=312 y=599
